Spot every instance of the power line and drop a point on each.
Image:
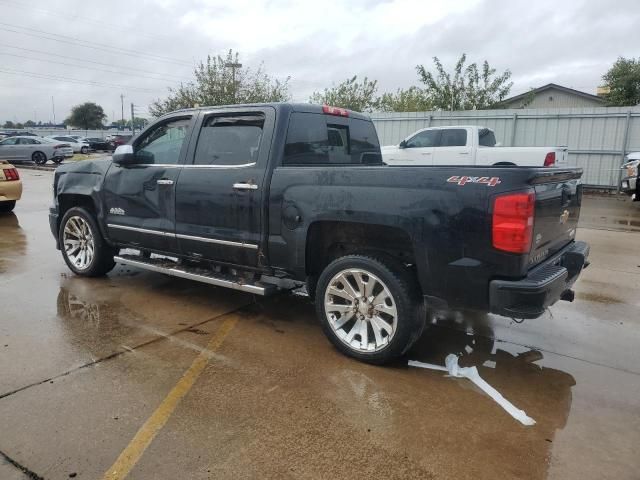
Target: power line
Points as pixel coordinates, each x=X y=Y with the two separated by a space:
x=94 y=45
x=85 y=67
x=72 y=80
x=67 y=16
x=167 y=76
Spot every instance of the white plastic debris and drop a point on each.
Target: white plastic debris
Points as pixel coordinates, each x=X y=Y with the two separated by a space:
x=451 y=362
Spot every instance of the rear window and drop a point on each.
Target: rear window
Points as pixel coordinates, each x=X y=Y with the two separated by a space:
x=315 y=139
x=453 y=137
x=486 y=138
x=229 y=140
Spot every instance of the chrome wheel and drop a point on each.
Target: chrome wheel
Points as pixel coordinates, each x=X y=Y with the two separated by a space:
x=78 y=242
x=361 y=310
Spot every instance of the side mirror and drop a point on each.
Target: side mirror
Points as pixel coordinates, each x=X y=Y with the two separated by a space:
x=403 y=144
x=123 y=155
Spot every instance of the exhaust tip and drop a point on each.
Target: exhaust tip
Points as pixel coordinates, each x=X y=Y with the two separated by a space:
x=568 y=296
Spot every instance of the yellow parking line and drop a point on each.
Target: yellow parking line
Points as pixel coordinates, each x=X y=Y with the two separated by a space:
x=134 y=451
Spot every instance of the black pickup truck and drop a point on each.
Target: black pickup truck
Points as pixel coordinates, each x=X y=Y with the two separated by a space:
x=245 y=196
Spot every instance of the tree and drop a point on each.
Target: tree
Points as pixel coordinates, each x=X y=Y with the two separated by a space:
x=467 y=88
x=351 y=94
x=87 y=116
x=138 y=123
x=29 y=124
x=413 y=99
x=623 y=80
x=220 y=81
x=9 y=124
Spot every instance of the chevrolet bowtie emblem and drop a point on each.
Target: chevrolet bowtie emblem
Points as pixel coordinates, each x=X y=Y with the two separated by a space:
x=564 y=217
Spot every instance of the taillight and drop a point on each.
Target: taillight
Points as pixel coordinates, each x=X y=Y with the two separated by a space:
x=513 y=216
x=55 y=147
x=11 y=174
x=340 y=112
x=550 y=159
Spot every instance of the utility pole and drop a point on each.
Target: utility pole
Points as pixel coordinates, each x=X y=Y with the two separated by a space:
x=133 y=128
x=53 y=109
x=233 y=67
x=122 y=106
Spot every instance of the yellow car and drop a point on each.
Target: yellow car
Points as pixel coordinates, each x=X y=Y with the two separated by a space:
x=10 y=186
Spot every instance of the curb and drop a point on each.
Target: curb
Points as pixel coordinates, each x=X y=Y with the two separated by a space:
x=52 y=168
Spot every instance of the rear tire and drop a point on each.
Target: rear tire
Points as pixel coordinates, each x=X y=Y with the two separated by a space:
x=6 y=207
x=369 y=307
x=83 y=248
x=39 y=158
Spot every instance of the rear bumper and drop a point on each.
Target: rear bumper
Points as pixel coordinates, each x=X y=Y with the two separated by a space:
x=10 y=190
x=543 y=286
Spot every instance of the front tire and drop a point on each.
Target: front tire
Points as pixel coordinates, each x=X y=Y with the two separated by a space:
x=39 y=158
x=84 y=150
x=83 y=248
x=369 y=307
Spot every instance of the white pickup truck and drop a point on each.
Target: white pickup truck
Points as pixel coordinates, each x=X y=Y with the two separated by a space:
x=468 y=145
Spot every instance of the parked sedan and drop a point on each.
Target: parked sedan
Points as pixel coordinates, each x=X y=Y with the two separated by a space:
x=96 y=143
x=10 y=186
x=31 y=148
x=78 y=146
x=117 y=140
x=64 y=148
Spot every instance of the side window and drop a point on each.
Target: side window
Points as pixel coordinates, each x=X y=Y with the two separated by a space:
x=428 y=138
x=9 y=141
x=162 y=144
x=453 y=137
x=26 y=141
x=486 y=138
x=312 y=139
x=229 y=140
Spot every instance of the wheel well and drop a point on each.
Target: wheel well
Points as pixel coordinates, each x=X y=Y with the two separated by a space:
x=69 y=200
x=328 y=240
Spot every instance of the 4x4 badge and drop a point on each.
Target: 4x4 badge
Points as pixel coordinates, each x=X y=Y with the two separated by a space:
x=463 y=180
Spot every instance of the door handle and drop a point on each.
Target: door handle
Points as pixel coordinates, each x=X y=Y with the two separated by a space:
x=164 y=181
x=245 y=186
x=426 y=153
x=463 y=153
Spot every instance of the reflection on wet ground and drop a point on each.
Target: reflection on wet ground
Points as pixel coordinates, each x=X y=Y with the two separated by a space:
x=610 y=212
x=85 y=363
x=13 y=242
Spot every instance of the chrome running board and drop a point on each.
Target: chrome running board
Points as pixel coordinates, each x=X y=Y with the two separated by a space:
x=168 y=267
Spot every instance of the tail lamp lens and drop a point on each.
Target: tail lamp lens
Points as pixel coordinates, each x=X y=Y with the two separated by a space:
x=550 y=159
x=512 y=227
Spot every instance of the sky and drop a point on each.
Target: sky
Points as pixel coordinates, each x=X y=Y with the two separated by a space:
x=57 y=54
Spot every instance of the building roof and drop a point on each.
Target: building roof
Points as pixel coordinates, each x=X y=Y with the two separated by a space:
x=555 y=86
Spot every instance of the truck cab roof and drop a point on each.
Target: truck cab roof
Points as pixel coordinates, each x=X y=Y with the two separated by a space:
x=278 y=106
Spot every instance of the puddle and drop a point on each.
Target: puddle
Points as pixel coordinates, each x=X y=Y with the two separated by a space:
x=13 y=242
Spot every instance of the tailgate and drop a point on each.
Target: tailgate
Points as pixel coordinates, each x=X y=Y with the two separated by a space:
x=557 y=209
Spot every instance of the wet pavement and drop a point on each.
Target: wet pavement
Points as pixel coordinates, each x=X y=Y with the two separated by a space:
x=166 y=378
